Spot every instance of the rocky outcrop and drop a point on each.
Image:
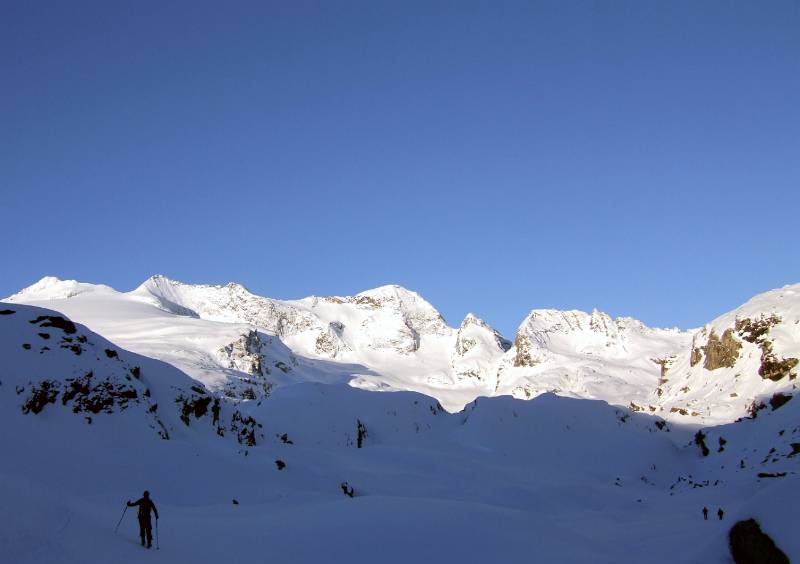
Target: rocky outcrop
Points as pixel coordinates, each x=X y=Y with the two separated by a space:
x=55 y=321
x=101 y=383
x=114 y=388
x=525 y=355
x=724 y=352
x=721 y=352
x=244 y=354
x=750 y=545
x=248 y=355
x=329 y=342
x=196 y=405
x=665 y=364
x=244 y=427
x=696 y=356
x=779 y=400
x=756 y=331
x=108 y=393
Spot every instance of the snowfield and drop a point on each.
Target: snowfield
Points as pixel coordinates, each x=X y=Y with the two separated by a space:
x=206 y=395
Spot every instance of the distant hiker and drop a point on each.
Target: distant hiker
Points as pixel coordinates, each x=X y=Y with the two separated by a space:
x=720 y=513
x=347 y=489
x=145 y=527
x=215 y=411
x=705 y=513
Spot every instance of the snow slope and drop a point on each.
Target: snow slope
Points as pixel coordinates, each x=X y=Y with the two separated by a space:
x=551 y=479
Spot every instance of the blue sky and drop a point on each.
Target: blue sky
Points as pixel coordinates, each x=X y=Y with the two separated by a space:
x=638 y=157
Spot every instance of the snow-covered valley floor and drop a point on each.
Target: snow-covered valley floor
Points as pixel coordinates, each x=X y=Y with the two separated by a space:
x=550 y=480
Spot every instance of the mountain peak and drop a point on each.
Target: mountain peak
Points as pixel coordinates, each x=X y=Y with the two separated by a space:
x=53 y=288
x=160 y=282
x=472 y=319
x=390 y=292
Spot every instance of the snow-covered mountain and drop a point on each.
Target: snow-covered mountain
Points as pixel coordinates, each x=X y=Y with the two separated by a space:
x=477 y=352
x=587 y=355
x=67 y=373
x=388 y=338
x=742 y=362
x=391 y=339
x=254 y=442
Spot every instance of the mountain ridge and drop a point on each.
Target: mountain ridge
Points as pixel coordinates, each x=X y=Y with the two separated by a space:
x=391 y=338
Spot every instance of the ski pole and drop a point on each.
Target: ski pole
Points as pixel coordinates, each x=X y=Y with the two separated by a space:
x=157 y=547
x=120 y=519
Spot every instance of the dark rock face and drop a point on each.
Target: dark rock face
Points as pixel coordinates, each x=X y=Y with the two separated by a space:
x=775 y=369
x=244 y=354
x=55 y=321
x=87 y=394
x=361 y=431
x=245 y=428
x=779 y=400
x=721 y=352
x=525 y=356
x=700 y=440
x=193 y=405
x=40 y=396
x=756 y=332
x=750 y=545
x=724 y=351
x=697 y=356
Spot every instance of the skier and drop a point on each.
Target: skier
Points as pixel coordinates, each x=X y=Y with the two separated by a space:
x=705 y=513
x=145 y=527
x=720 y=513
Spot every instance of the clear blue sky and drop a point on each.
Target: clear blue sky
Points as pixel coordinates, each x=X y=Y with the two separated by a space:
x=638 y=157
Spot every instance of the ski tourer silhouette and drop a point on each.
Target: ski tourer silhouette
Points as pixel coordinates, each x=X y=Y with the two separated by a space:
x=145 y=505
